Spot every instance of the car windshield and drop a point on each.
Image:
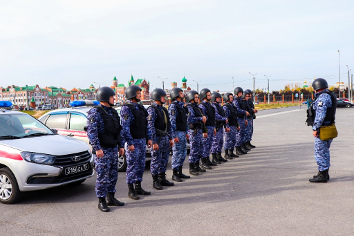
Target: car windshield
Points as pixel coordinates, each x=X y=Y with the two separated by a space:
x=21 y=125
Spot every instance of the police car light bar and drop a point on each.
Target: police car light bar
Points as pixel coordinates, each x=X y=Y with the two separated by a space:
x=5 y=104
x=84 y=103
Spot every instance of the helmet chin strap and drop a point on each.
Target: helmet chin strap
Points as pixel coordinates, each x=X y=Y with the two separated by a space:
x=111 y=104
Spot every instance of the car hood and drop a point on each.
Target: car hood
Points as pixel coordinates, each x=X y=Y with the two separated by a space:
x=49 y=144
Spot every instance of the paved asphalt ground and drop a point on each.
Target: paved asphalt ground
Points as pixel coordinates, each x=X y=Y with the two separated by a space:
x=265 y=192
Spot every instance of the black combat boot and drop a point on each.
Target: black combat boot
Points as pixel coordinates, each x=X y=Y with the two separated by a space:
x=102 y=205
x=132 y=194
x=243 y=146
x=156 y=182
x=112 y=201
x=139 y=190
x=215 y=159
x=321 y=178
x=240 y=151
x=181 y=175
x=175 y=176
x=232 y=154
x=227 y=156
x=210 y=163
x=205 y=165
x=318 y=174
x=220 y=158
x=192 y=170
x=197 y=167
x=164 y=181
x=249 y=144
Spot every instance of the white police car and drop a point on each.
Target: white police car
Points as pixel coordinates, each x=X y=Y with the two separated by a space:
x=72 y=122
x=33 y=157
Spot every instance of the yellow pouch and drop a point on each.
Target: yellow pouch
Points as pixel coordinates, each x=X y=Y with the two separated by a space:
x=328 y=132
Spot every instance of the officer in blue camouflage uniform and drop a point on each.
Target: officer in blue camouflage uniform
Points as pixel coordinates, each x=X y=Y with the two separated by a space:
x=196 y=123
x=135 y=131
x=161 y=136
x=178 y=117
x=231 y=114
x=241 y=119
x=103 y=131
x=250 y=118
x=209 y=112
x=323 y=110
x=221 y=122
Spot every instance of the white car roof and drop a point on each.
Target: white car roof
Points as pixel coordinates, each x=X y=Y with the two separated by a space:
x=6 y=112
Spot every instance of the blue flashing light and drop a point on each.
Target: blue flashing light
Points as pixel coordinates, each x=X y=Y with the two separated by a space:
x=84 y=103
x=5 y=104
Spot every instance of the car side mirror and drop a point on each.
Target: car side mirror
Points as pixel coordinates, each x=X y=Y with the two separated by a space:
x=55 y=131
x=85 y=128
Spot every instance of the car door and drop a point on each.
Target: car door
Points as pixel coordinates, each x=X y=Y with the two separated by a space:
x=58 y=121
x=77 y=124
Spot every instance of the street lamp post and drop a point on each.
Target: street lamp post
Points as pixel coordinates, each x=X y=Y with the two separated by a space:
x=348 y=83
x=163 y=82
x=268 y=89
x=197 y=84
x=339 y=73
x=254 y=83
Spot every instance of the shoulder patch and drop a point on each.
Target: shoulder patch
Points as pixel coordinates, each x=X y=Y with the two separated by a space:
x=92 y=120
x=320 y=104
x=149 y=117
x=126 y=116
x=173 y=112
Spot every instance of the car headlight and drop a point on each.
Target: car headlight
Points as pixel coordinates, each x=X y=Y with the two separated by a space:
x=38 y=158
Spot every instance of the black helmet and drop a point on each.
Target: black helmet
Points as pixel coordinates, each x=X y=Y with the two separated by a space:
x=157 y=94
x=226 y=97
x=215 y=95
x=130 y=92
x=248 y=91
x=190 y=95
x=237 y=90
x=104 y=93
x=319 y=84
x=175 y=93
x=203 y=93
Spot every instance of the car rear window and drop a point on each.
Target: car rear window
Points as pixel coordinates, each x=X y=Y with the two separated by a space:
x=56 y=121
x=77 y=121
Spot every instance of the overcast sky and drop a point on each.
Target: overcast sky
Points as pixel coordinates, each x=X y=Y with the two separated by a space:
x=76 y=43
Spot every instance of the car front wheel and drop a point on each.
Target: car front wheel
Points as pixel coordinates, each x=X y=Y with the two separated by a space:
x=9 y=192
x=348 y=105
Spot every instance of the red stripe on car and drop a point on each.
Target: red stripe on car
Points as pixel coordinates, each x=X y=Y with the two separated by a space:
x=13 y=156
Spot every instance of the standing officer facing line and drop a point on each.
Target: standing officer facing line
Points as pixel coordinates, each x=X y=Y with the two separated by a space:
x=221 y=121
x=196 y=123
x=103 y=131
x=161 y=136
x=324 y=110
x=241 y=119
x=209 y=112
x=231 y=114
x=135 y=131
x=178 y=117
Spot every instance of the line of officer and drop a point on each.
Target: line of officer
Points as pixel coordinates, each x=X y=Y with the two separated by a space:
x=231 y=114
x=178 y=117
x=323 y=110
x=197 y=130
x=209 y=112
x=241 y=119
x=250 y=118
x=221 y=122
x=135 y=132
x=161 y=136
x=103 y=131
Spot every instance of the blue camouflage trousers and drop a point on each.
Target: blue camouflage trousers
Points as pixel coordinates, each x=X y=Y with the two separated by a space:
x=196 y=146
x=242 y=133
x=249 y=130
x=208 y=141
x=107 y=172
x=230 y=138
x=160 y=157
x=179 y=150
x=218 y=141
x=136 y=161
x=322 y=154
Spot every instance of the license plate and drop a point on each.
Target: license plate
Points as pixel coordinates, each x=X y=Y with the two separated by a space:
x=76 y=169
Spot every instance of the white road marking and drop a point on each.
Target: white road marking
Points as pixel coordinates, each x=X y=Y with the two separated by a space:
x=279 y=113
